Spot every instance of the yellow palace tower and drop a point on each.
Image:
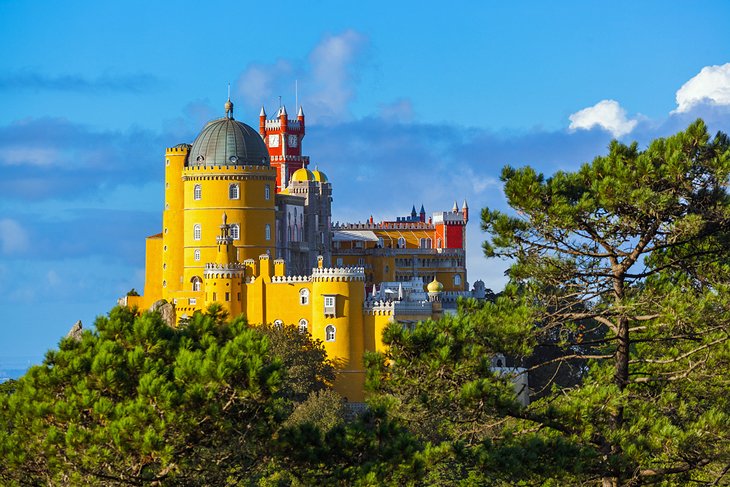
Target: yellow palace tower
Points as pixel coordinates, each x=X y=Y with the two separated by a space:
x=247 y=225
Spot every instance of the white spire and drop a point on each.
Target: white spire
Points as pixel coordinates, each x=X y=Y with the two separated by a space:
x=263 y=112
x=300 y=113
x=455 y=208
x=464 y=206
x=283 y=110
x=375 y=292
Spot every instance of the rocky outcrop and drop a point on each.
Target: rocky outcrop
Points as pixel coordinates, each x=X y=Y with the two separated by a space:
x=166 y=310
x=76 y=331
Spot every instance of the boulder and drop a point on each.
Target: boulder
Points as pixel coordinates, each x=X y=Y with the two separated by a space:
x=166 y=310
x=76 y=331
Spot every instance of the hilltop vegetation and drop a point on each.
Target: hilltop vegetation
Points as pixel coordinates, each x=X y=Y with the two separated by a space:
x=618 y=305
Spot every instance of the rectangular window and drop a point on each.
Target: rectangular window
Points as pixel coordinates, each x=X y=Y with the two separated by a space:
x=228 y=296
x=339 y=261
x=267 y=192
x=214 y=296
x=329 y=305
x=239 y=296
x=193 y=301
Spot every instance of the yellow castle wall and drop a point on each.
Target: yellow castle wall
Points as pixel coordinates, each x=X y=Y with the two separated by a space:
x=172 y=221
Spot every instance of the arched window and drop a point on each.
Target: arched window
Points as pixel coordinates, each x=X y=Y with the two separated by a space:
x=304 y=296
x=457 y=279
x=303 y=326
x=438 y=243
x=197 y=192
x=196 y=254
x=329 y=333
x=401 y=243
x=425 y=243
x=278 y=324
x=235 y=231
x=267 y=232
x=196 y=231
x=267 y=192
x=233 y=191
x=197 y=283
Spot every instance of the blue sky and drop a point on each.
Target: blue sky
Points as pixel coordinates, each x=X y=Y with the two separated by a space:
x=406 y=103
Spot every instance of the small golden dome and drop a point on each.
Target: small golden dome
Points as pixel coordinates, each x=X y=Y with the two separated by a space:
x=435 y=286
x=302 y=174
x=319 y=176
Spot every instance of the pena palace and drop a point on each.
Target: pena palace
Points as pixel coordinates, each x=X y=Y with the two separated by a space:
x=247 y=224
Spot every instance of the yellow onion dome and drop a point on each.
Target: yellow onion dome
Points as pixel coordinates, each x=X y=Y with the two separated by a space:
x=435 y=286
x=319 y=176
x=302 y=174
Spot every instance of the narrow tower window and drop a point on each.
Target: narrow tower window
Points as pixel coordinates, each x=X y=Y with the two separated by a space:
x=267 y=192
x=197 y=192
x=304 y=296
x=233 y=192
x=196 y=254
x=196 y=231
x=329 y=333
x=267 y=232
x=235 y=231
x=303 y=326
x=401 y=243
x=197 y=282
x=457 y=280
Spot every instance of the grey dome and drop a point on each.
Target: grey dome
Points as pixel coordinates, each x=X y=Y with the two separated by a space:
x=227 y=142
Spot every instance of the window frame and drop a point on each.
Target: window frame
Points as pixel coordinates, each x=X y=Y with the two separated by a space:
x=197 y=192
x=197 y=232
x=330 y=333
x=303 y=326
x=234 y=191
x=235 y=231
x=304 y=296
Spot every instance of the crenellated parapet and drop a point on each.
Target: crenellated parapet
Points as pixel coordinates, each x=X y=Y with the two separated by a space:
x=290 y=279
x=234 y=172
x=219 y=271
x=394 y=307
x=337 y=274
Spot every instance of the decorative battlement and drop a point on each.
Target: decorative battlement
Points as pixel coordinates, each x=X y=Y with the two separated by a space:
x=454 y=218
x=234 y=266
x=218 y=271
x=393 y=308
x=326 y=274
x=179 y=149
x=276 y=125
x=290 y=279
x=247 y=169
x=383 y=225
x=288 y=158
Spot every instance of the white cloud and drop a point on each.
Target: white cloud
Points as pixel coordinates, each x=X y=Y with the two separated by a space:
x=257 y=82
x=13 y=237
x=711 y=85
x=33 y=156
x=326 y=81
x=332 y=74
x=606 y=114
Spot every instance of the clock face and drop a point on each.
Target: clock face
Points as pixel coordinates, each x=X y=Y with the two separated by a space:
x=274 y=140
x=293 y=140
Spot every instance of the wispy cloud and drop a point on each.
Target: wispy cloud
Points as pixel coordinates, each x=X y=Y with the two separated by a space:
x=35 y=81
x=54 y=158
x=606 y=114
x=326 y=80
x=710 y=86
x=13 y=237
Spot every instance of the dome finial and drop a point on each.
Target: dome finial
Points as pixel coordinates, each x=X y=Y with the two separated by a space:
x=229 y=104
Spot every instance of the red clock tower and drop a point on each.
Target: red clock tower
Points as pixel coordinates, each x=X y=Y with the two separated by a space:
x=283 y=137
